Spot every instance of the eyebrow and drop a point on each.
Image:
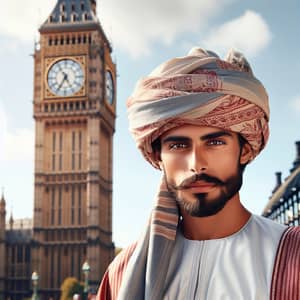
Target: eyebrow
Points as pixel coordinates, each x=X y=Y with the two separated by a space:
x=214 y=135
x=209 y=136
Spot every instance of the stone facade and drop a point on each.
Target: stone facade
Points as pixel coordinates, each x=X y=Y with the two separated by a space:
x=74 y=112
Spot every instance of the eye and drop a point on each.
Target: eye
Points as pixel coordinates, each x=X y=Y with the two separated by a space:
x=215 y=142
x=177 y=146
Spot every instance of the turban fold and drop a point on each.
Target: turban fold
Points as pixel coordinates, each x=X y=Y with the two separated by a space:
x=199 y=89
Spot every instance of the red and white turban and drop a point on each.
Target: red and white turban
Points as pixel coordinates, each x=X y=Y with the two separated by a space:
x=199 y=89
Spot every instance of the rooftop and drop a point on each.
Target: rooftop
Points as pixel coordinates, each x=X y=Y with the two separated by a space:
x=291 y=185
x=75 y=13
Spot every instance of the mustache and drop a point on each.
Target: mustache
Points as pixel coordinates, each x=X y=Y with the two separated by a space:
x=198 y=177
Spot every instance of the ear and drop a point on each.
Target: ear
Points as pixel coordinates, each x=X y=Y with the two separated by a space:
x=246 y=154
x=157 y=157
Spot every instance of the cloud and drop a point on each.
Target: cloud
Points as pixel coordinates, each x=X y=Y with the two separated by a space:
x=136 y=25
x=21 y=19
x=295 y=103
x=248 y=33
x=15 y=145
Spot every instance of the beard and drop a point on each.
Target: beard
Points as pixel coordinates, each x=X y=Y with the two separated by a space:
x=203 y=204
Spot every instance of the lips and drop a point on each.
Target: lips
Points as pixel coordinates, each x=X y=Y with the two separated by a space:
x=200 y=187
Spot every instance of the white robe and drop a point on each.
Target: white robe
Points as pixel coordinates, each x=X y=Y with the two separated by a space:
x=237 y=267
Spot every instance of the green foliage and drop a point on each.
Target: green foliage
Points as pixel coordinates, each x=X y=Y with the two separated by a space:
x=70 y=287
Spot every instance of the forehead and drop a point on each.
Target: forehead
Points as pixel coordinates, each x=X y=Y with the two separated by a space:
x=194 y=130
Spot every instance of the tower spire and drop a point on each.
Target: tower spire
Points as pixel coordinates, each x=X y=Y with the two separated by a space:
x=2 y=201
x=71 y=13
x=2 y=195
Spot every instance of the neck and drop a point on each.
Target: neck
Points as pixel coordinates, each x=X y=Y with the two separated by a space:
x=226 y=222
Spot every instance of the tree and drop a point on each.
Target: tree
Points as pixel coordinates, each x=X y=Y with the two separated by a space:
x=69 y=287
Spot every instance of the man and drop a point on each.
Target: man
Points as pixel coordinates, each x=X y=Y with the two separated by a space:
x=201 y=120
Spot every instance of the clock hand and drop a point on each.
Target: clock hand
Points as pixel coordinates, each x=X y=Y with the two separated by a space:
x=62 y=82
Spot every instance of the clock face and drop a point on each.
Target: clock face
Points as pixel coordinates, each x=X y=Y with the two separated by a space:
x=109 y=87
x=65 y=77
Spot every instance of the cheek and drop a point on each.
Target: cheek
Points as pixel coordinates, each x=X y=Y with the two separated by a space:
x=175 y=168
x=224 y=161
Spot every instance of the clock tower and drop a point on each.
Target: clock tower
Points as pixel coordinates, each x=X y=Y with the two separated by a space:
x=74 y=111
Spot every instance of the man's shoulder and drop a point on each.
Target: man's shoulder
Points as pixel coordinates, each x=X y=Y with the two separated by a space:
x=120 y=262
x=292 y=233
x=286 y=272
x=268 y=224
x=112 y=278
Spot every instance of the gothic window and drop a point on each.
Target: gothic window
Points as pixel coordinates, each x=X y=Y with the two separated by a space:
x=72 y=262
x=52 y=269
x=58 y=282
x=59 y=205
x=93 y=84
x=27 y=254
x=79 y=205
x=73 y=150
x=53 y=150
x=73 y=205
x=60 y=150
x=80 y=150
x=12 y=255
x=19 y=254
x=52 y=206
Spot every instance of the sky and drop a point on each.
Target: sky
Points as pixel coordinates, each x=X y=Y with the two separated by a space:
x=143 y=34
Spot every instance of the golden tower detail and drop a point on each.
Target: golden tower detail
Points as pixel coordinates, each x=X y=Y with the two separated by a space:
x=74 y=112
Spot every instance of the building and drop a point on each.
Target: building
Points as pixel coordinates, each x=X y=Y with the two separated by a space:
x=74 y=106
x=15 y=256
x=284 y=204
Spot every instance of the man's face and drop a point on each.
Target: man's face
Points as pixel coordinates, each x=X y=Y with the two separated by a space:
x=202 y=167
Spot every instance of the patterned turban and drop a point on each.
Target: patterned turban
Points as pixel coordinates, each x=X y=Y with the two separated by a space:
x=199 y=89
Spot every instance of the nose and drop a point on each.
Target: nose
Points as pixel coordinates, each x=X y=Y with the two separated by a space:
x=197 y=161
